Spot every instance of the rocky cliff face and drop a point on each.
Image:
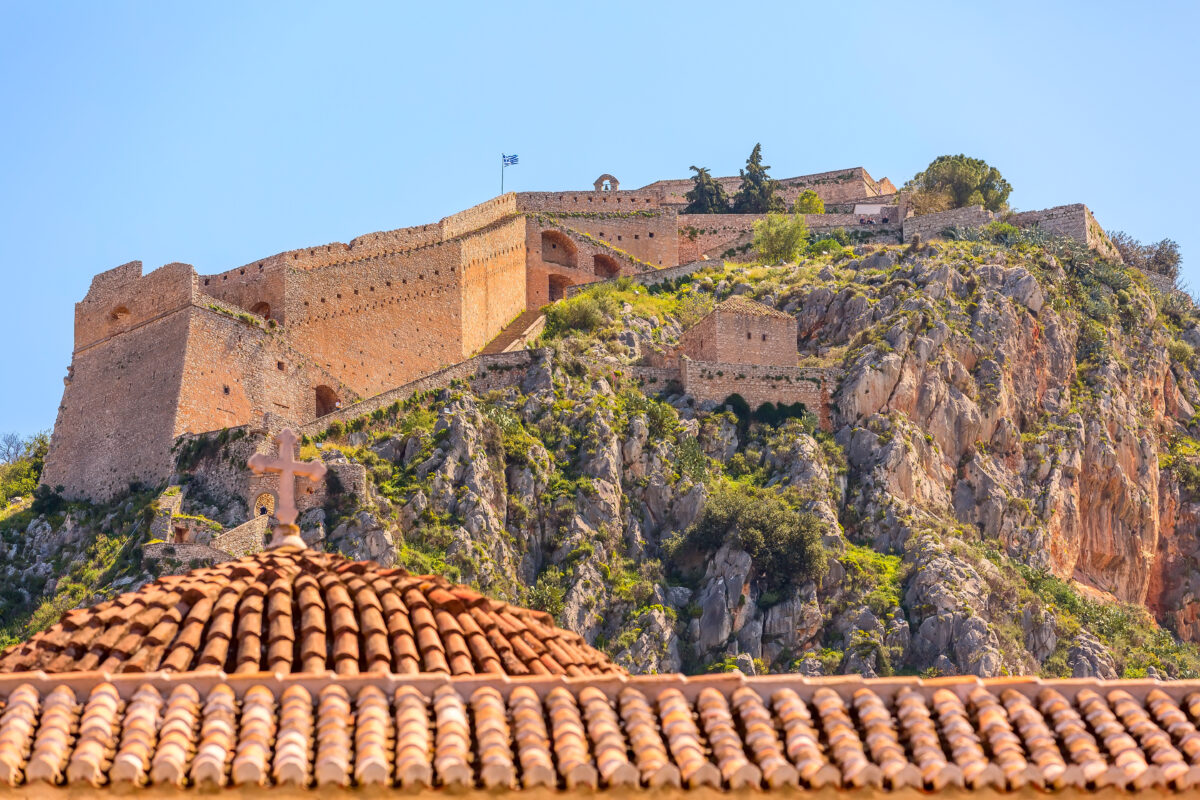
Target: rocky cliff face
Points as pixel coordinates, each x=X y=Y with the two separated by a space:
x=1009 y=486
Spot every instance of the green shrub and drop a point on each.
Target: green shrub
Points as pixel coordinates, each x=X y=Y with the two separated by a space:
x=693 y=307
x=784 y=543
x=1181 y=352
x=779 y=239
x=809 y=202
x=586 y=312
x=20 y=475
x=548 y=594
x=826 y=245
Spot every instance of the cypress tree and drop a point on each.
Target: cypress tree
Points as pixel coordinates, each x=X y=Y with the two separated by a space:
x=757 y=194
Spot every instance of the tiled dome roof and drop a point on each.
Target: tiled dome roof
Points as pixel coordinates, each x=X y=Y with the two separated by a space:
x=293 y=610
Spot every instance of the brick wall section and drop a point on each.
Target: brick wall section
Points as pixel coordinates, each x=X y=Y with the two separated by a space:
x=484 y=373
x=588 y=200
x=762 y=384
x=116 y=422
x=712 y=235
x=655 y=277
x=1075 y=221
x=244 y=540
x=170 y=554
x=838 y=186
x=492 y=283
x=558 y=257
x=232 y=375
x=652 y=237
x=930 y=226
x=744 y=332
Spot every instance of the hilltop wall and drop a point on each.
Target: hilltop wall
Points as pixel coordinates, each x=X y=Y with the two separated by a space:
x=380 y=321
x=836 y=186
x=483 y=373
x=708 y=381
x=236 y=371
x=649 y=236
x=1075 y=221
x=930 y=226
x=493 y=283
x=559 y=257
x=588 y=201
x=116 y=421
x=713 y=234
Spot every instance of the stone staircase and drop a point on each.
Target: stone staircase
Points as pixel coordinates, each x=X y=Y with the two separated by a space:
x=516 y=333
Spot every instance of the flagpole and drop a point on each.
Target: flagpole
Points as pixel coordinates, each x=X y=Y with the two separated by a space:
x=502 y=166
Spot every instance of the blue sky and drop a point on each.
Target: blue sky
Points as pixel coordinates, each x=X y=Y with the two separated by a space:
x=217 y=133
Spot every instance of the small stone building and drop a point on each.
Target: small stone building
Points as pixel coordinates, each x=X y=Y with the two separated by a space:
x=741 y=331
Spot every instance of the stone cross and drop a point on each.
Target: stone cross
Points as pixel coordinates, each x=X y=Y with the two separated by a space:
x=286 y=532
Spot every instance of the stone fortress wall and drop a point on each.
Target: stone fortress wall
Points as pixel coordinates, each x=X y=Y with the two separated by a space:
x=307 y=332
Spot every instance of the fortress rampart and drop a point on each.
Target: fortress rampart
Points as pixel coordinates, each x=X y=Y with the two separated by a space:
x=308 y=332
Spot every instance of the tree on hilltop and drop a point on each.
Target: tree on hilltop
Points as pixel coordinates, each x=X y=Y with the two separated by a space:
x=758 y=192
x=809 y=202
x=956 y=182
x=1161 y=257
x=707 y=195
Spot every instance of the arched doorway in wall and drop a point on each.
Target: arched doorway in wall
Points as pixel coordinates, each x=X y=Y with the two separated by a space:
x=263 y=309
x=605 y=266
x=327 y=401
x=264 y=505
x=557 y=248
x=558 y=287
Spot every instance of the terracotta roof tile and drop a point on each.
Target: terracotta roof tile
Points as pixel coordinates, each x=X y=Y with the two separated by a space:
x=209 y=729
x=294 y=610
x=738 y=304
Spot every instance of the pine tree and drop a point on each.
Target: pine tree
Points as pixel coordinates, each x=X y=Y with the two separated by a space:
x=758 y=193
x=707 y=195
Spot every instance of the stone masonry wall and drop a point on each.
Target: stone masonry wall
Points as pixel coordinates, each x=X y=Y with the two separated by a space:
x=558 y=257
x=484 y=373
x=837 y=186
x=930 y=226
x=652 y=237
x=588 y=201
x=174 y=558
x=713 y=234
x=246 y=539
x=699 y=342
x=380 y=322
x=116 y=422
x=1075 y=221
x=493 y=283
x=235 y=372
x=655 y=277
x=766 y=339
x=762 y=384
x=250 y=287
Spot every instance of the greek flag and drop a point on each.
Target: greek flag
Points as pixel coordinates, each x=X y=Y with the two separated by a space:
x=509 y=160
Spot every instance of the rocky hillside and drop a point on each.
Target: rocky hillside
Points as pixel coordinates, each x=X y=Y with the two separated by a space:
x=1010 y=487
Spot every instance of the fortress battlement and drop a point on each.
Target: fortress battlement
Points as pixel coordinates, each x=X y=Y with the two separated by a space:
x=304 y=332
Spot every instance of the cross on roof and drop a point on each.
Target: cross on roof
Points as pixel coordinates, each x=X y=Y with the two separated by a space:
x=286 y=532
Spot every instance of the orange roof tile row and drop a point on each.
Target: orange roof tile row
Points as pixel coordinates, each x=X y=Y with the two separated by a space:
x=737 y=304
x=292 y=610
x=725 y=732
